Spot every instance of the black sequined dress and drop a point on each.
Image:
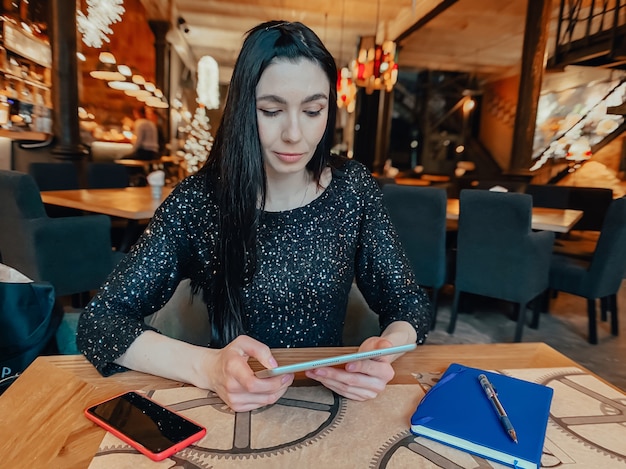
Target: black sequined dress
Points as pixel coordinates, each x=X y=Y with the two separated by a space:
x=308 y=258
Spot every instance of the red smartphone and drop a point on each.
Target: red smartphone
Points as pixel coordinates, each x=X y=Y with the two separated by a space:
x=146 y=425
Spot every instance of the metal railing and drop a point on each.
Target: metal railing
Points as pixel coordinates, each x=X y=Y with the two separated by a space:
x=580 y=20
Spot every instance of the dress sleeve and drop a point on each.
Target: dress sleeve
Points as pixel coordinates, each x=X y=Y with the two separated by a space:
x=140 y=285
x=383 y=273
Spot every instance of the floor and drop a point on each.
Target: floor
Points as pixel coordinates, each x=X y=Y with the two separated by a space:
x=564 y=328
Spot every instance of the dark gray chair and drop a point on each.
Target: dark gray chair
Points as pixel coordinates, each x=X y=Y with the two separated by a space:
x=111 y=176
x=601 y=276
x=419 y=216
x=56 y=177
x=498 y=254
x=593 y=201
x=107 y=176
x=72 y=253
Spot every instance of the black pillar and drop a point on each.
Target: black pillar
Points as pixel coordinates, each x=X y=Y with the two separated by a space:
x=65 y=81
x=372 y=128
x=162 y=66
x=384 y=130
x=365 y=127
x=161 y=48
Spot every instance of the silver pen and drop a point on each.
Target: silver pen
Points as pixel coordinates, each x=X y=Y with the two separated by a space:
x=497 y=405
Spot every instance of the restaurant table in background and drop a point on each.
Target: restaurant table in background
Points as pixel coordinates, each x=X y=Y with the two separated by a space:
x=173 y=166
x=41 y=414
x=132 y=203
x=146 y=165
x=548 y=219
x=412 y=182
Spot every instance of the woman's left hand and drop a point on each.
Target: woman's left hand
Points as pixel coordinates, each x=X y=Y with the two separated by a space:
x=360 y=380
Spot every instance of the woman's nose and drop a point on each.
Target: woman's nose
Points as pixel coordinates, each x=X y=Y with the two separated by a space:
x=292 y=131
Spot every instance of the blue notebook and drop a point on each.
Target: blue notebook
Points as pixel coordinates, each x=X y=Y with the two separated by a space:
x=457 y=412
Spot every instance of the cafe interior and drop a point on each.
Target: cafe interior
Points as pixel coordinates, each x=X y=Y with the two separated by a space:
x=493 y=128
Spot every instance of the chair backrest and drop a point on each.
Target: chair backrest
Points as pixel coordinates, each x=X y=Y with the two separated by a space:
x=549 y=195
x=54 y=176
x=20 y=203
x=19 y=197
x=498 y=254
x=419 y=217
x=107 y=175
x=73 y=254
x=499 y=217
x=593 y=201
x=608 y=264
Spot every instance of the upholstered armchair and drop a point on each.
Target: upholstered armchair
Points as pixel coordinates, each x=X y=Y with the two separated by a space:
x=419 y=217
x=593 y=201
x=498 y=254
x=72 y=253
x=107 y=175
x=599 y=277
x=56 y=177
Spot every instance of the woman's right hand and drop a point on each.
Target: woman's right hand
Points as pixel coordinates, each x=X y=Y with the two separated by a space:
x=230 y=376
x=225 y=371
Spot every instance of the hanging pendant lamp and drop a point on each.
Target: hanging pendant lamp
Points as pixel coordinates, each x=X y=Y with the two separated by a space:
x=375 y=67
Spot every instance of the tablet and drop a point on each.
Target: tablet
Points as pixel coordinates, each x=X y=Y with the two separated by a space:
x=331 y=361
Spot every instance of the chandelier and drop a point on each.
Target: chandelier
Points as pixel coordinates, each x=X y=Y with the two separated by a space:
x=375 y=67
x=346 y=89
x=95 y=25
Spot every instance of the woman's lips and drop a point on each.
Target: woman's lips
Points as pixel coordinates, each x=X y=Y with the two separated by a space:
x=289 y=157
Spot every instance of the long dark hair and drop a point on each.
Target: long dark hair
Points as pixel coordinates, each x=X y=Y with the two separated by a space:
x=235 y=166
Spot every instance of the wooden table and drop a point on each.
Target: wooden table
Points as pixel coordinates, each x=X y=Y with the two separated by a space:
x=41 y=414
x=412 y=182
x=548 y=219
x=147 y=165
x=131 y=203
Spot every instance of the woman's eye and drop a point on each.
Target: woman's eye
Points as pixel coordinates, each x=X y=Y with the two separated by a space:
x=313 y=113
x=268 y=113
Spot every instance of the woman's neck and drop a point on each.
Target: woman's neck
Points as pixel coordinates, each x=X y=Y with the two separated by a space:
x=289 y=191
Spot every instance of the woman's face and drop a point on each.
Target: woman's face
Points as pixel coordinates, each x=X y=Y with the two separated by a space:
x=292 y=111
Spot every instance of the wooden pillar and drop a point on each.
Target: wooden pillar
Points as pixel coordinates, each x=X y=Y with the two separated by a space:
x=65 y=81
x=535 y=38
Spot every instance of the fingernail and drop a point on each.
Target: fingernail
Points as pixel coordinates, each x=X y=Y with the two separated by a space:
x=350 y=367
x=285 y=379
x=273 y=362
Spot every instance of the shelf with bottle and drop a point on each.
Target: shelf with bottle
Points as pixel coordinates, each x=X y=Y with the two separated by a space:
x=20 y=69
x=17 y=89
x=25 y=66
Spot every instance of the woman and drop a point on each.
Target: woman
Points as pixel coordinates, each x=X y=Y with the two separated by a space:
x=146 y=145
x=272 y=232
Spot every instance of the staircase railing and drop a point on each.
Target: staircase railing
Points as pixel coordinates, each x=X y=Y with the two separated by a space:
x=584 y=24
